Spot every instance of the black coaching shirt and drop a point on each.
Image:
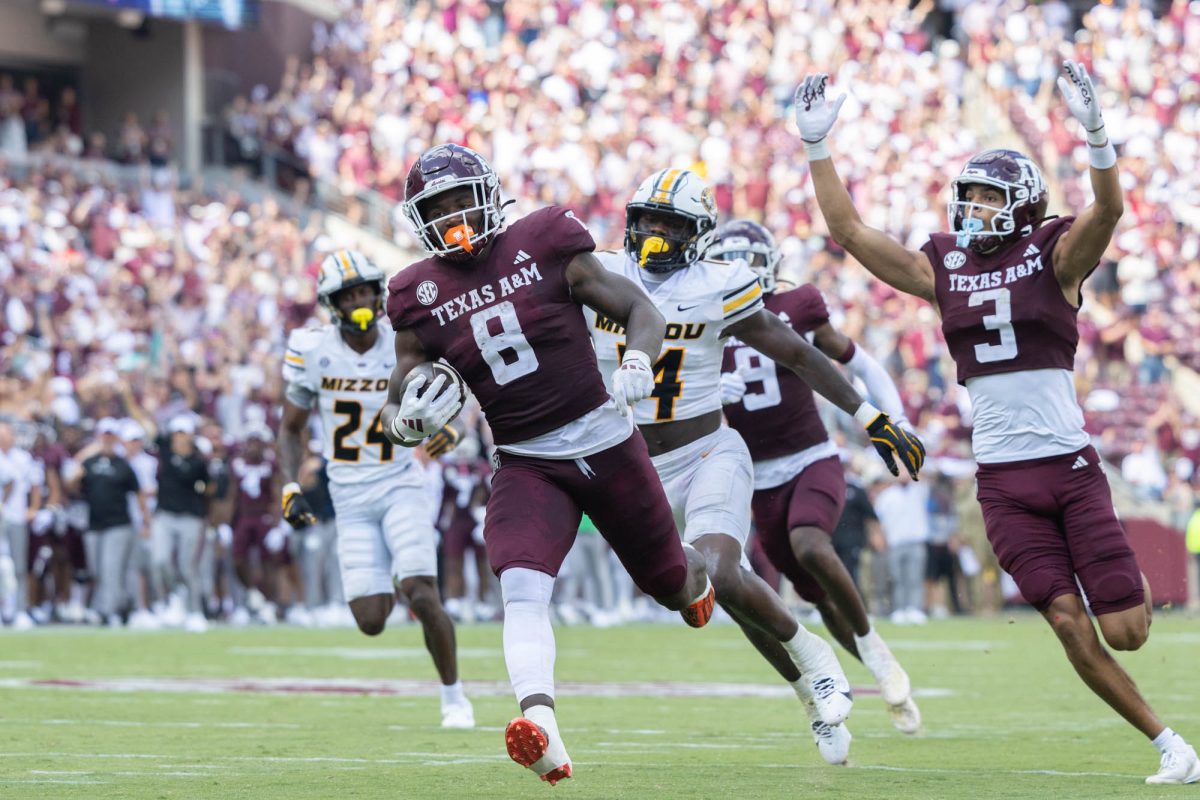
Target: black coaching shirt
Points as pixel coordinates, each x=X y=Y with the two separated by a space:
x=182 y=481
x=107 y=482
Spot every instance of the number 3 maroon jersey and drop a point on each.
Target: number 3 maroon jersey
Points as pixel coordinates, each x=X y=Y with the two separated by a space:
x=1004 y=311
x=778 y=414
x=508 y=324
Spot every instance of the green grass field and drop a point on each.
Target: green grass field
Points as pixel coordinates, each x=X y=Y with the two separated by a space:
x=1004 y=717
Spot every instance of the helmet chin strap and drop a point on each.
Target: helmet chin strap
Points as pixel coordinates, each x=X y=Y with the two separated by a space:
x=654 y=245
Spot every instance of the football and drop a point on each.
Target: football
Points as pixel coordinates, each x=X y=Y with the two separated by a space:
x=431 y=369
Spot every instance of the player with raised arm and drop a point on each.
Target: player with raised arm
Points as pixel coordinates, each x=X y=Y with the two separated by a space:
x=501 y=306
x=385 y=536
x=799 y=483
x=705 y=467
x=1007 y=282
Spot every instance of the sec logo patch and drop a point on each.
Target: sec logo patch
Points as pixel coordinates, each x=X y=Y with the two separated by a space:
x=427 y=293
x=954 y=260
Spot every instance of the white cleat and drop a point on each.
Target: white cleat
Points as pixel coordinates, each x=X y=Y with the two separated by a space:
x=830 y=689
x=195 y=623
x=906 y=717
x=833 y=741
x=460 y=715
x=1179 y=765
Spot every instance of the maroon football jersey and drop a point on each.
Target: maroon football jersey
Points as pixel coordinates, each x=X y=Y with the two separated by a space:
x=778 y=414
x=253 y=480
x=508 y=324
x=1004 y=311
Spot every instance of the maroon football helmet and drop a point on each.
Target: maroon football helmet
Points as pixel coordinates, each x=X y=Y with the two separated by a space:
x=744 y=238
x=445 y=167
x=1025 y=192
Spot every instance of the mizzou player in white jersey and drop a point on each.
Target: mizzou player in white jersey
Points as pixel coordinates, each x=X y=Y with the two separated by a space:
x=385 y=534
x=706 y=468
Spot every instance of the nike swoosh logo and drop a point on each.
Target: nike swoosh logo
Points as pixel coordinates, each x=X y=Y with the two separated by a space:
x=686 y=308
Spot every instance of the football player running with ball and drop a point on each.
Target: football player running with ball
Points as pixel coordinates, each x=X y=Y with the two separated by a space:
x=1007 y=282
x=705 y=467
x=385 y=534
x=501 y=306
x=799 y=484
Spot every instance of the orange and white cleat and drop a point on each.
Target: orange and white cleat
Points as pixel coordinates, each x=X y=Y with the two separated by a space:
x=527 y=744
x=700 y=612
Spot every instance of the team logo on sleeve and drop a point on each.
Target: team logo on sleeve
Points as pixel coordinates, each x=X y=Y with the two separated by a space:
x=427 y=293
x=954 y=260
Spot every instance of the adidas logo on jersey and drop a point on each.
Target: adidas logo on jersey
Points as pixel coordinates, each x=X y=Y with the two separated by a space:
x=1031 y=251
x=521 y=256
x=1080 y=463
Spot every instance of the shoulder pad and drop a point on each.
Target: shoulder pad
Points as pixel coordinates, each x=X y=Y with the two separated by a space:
x=304 y=340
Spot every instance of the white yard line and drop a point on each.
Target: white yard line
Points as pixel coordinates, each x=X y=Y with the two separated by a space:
x=128 y=723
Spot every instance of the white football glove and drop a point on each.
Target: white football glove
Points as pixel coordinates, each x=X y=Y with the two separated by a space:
x=1080 y=96
x=633 y=380
x=814 y=114
x=733 y=387
x=421 y=417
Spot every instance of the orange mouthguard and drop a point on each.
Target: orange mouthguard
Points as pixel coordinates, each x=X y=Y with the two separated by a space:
x=460 y=235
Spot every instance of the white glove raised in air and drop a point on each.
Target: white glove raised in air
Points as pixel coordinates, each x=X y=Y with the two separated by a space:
x=632 y=381
x=814 y=114
x=1080 y=96
x=421 y=417
x=733 y=386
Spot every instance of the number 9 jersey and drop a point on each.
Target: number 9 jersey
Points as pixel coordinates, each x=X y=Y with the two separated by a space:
x=350 y=390
x=699 y=302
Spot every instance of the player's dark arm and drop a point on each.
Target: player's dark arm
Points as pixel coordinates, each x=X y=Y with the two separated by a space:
x=291 y=440
x=618 y=298
x=1080 y=248
x=906 y=270
x=776 y=340
x=880 y=386
x=409 y=353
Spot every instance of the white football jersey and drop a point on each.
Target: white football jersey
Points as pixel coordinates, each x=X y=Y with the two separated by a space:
x=699 y=302
x=350 y=389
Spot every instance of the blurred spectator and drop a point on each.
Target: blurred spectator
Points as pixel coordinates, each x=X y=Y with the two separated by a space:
x=903 y=509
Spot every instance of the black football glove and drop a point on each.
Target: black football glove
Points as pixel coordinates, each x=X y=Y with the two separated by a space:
x=893 y=444
x=296 y=510
x=442 y=442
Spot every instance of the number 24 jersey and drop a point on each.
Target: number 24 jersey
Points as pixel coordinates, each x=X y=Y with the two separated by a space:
x=350 y=390
x=699 y=302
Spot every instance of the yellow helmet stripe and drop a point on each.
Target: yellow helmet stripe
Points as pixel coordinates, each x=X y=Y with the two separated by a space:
x=662 y=189
x=348 y=268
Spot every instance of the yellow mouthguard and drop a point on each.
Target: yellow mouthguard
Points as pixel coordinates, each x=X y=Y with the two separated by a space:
x=362 y=317
x=653 y=246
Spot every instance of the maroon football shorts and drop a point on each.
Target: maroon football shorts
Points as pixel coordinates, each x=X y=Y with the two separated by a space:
x=457 y=537
x=1052 y=519
x=534 y=511
x=250 y=533
x=812 y=499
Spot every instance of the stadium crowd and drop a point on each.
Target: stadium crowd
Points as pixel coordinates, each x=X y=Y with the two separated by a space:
x=168 y=309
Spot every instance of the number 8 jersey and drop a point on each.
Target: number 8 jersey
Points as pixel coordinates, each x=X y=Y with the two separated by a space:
x=508 y=324
x=1012 y=334
x=350 y=389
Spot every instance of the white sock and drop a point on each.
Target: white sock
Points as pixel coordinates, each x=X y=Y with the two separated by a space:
x=556 y=751
x=804 y=647
x=1163 y=740
x=528 y=638
x=802 y=689
x=452 y=695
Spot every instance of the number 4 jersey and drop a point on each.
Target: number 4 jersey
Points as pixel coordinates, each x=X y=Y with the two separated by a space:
x=1012 y=334
x=699 y=302
x=350 y=389
x=508 y=324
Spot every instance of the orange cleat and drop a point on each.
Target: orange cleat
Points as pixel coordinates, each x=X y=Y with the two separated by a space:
x=527 y=743
x=700 y=612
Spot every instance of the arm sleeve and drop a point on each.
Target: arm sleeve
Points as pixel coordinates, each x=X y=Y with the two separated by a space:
x=742 y=296
x=880 y=386
x=300 y=395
